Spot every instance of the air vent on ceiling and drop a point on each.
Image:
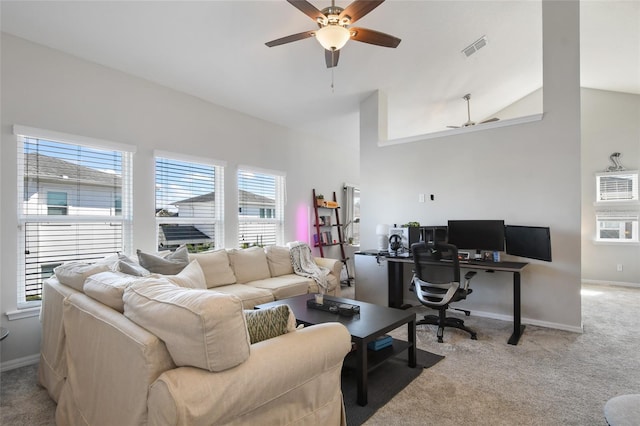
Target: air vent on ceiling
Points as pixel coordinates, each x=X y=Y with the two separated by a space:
x=475 y=46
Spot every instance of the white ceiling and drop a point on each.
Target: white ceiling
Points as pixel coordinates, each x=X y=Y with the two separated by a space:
x=215 y=50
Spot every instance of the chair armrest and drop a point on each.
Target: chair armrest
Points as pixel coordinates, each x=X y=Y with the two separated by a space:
x=334 y=265
x=303 y=362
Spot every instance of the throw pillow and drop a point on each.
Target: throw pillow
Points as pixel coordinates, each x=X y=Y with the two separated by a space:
x=170 y=264
x=108 y=288
x=279 y=260
x=190 y=277
x=268 y=323
x=249 y=264
x=74 y=274
x=215 y=266
x=201 y=328
x=129 y=266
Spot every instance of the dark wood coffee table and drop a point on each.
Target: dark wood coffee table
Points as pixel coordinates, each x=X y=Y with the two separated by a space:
x=371 y=322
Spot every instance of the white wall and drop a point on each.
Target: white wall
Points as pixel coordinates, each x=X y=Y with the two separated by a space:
x=47 y=89
x=527 y=174
x=610 y=123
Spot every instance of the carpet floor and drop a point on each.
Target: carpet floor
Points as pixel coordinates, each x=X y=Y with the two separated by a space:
x=384 y=383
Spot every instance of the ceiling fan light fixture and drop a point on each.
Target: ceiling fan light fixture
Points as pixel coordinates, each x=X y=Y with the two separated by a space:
x=333 y=37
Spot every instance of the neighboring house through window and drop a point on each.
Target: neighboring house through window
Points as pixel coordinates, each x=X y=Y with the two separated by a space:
x=189 y=202
x=261 y=196
x=74 y=199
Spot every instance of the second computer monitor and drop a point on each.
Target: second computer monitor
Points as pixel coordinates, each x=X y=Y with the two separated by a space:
x=476 y=234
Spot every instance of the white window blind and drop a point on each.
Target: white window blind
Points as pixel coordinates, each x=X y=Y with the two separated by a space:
x=261 y=198
x=617 y=186
x=74 y=204
x=189 y=203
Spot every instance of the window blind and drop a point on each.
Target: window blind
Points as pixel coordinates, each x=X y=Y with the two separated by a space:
x=260 y=207
x=74 y=204
x=189 y=204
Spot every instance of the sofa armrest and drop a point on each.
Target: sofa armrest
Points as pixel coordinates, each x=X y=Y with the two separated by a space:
x=111 y=364
x=285 y=379
x=334 y=265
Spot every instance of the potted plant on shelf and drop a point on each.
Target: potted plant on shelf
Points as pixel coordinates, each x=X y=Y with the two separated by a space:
x=320 y=200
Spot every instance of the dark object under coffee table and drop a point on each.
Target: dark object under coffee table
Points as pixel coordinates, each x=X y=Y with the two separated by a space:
x=372 y=321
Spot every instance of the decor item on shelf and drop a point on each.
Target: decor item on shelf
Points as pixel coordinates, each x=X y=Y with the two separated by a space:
x=467 y=97
x=334 y=29
x=320 y=200
x=617 y=166
x=331 y=204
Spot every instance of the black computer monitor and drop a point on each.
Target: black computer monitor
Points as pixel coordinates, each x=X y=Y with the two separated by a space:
x=529 y=241
x=476 y=234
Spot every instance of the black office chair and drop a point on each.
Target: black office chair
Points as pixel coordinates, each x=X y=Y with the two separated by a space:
x=436 y=282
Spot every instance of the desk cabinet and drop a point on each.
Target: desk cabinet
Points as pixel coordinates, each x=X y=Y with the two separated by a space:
x=372 y=278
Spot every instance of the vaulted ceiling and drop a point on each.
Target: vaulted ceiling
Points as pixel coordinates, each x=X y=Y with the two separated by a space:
x=215 y=50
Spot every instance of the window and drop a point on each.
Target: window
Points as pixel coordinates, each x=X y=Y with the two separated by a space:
x=67 y=189
x=617 y=207
x=352 y=214
x=261 y=197
x=189 y=202
x=617 y=226
x=617 y=186
x=56 y=203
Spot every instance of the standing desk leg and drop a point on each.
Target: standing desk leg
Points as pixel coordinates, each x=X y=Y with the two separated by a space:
x=518 y=328
x=396 y=277
x=411 y=331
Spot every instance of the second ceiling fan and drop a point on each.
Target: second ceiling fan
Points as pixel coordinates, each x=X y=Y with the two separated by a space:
x=334 y=30
x=467 y=98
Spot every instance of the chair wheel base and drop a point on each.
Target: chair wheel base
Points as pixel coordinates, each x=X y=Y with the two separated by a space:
x=447 y=322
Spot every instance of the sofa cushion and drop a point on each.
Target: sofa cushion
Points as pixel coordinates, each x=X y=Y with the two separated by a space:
x=129 y=266
x=201 y=328
x=169 y=264
x=284 y=286
x=268 y=323
x=249 y=264
x=74 y=274
x=190 y=277
x=215 y=266
x=250 y=296
x=279 y=260
x=108 y=288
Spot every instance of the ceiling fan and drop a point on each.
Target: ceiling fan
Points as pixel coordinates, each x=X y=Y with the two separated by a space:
x=334 y=30
x=467 y=97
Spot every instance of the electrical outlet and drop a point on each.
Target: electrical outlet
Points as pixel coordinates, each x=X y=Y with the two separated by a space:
x=421 y=198
x=619 y=267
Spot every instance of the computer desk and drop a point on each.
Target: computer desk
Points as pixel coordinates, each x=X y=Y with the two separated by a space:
x=396 y=284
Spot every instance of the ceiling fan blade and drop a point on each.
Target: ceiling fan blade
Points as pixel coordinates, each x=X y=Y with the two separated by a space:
x=307 y=8
x=290 y=38
x=359 y=8
x=490 y=120
x=365 y=35
x=331 y=57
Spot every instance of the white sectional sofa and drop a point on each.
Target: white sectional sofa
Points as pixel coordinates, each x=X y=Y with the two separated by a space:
x=175 y=349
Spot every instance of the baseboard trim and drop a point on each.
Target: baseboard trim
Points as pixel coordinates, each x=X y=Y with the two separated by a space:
x=509 y=318
x=612 y=283
x=19 y=362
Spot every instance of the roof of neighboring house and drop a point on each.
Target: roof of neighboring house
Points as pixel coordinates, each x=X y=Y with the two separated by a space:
x=183 y=232
x=51 y=168
x=245 y=197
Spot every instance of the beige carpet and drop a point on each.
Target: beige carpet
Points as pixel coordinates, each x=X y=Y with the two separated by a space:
x=551 y=378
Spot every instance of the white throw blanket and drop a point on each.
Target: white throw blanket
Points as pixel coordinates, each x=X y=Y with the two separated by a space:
x=304 y=265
